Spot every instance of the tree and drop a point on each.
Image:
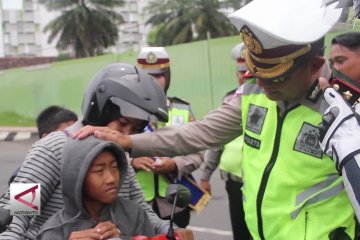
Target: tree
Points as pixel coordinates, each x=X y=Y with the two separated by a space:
x=235 y=4
x=87 y=26
x=181 y=21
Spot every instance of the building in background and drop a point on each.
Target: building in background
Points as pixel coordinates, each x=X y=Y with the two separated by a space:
x=133 y=33
x=23 y=22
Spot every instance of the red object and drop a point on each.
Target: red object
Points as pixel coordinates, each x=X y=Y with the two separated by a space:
x=344 y=86
x=157 y=237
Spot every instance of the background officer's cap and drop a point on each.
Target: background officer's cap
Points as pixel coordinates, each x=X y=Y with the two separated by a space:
x=280 y=33
x=238 y=54
x=153 y=60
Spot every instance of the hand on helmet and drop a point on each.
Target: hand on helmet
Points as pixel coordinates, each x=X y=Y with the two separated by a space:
x=339 y=130
x=104 y=133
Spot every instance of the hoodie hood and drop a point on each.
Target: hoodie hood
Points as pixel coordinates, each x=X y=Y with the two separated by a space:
x=77 y=158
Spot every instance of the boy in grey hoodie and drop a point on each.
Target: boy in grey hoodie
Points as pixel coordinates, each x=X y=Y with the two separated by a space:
x=91 y=175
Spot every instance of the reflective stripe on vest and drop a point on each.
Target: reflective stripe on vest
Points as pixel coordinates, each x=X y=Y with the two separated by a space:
x=178 y=114
x=291 y=188
x=320 y=196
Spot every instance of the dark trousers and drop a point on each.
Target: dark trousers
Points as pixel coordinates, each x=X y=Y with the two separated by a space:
x=237 y=216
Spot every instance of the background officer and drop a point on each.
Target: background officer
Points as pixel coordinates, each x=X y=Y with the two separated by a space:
x=154 y=174
x=229 y=158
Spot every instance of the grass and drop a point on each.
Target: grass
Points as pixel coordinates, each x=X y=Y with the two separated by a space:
x=14 y=119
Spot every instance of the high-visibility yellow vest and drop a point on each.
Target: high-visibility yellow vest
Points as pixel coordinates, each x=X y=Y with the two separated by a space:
x=291 y=189
x=230 y=161
x=153 y=184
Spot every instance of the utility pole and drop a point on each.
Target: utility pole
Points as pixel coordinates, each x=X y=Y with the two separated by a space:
x=2 y=50
x=211 y=84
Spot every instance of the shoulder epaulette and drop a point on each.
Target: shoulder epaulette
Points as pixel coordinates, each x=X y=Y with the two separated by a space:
x=230 y=93
x=178 y=100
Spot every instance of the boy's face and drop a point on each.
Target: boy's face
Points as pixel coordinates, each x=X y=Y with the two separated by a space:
x=102 y=179
x=127 y=125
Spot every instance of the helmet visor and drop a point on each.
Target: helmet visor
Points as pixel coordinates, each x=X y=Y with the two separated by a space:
x=130 y=110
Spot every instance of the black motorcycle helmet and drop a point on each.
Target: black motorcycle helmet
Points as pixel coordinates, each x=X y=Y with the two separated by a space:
x=122 y=89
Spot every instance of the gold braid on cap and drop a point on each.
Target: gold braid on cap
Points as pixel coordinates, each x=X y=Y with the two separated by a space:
x=283 y=63
x=162 y=65
x=250 y=40
x=272 y=72
x=285 y=58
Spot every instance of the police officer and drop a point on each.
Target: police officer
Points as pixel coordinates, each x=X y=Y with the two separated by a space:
x=229 y=158
x=291 y=189
x=345 y=54
x=154 y=174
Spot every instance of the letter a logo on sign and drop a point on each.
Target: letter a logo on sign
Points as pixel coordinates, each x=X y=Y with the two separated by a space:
x=25 y=199
x=30 y=204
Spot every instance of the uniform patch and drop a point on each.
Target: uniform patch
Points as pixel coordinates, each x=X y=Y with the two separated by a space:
x=253 y=142
x=151 y=58
x=307 y=141
x=177 y=120
x=255 y=118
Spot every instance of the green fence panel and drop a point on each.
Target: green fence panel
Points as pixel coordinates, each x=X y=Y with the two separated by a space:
x=202 y=72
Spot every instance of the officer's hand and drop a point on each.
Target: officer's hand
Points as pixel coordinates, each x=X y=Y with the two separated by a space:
x=164 y=165
x=184 y=234
x=339 y=130
x=205 y=184
x=142 y=163
x=104 y=133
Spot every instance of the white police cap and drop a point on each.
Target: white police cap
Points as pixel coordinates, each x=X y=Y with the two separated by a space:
x=154 y=60
x=277 y=32
x=237 y=53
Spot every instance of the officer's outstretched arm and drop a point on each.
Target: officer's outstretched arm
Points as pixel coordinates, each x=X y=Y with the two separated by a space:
x=340 y=140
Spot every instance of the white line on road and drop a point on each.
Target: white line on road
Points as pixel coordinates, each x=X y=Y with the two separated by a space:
x=210 y=230
x=3 y=135
x=22 y=136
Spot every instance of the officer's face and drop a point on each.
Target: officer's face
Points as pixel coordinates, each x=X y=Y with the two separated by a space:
x=295 y=84
x=240 y=77
x=160 y=78
x=346 y=60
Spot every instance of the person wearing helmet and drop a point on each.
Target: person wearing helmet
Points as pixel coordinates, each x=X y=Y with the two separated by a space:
x=154 y=174
x=121 y=97
x=229 y=159
x=294 y=185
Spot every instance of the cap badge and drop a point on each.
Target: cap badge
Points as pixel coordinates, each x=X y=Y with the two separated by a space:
x=151 y=58
x=250 y=40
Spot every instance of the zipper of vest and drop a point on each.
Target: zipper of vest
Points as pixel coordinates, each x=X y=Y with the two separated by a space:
x=306 y=223
x=267 y=171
